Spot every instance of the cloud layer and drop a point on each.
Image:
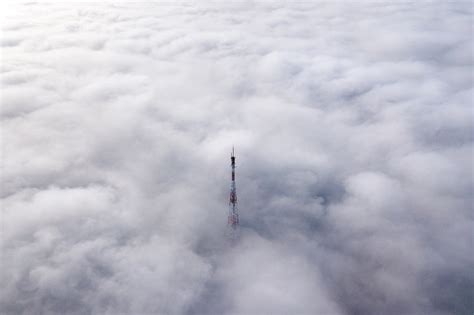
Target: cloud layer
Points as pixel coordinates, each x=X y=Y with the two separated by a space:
x=352 y=123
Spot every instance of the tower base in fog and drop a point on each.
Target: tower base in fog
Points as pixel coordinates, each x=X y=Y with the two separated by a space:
x=233 y=234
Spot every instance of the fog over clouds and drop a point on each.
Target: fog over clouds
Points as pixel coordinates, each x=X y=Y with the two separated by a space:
x=352 y=123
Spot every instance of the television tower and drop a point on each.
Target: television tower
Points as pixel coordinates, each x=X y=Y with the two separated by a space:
x=233 y=219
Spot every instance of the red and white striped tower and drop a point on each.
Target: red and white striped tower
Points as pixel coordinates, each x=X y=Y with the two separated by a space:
x=233 y=219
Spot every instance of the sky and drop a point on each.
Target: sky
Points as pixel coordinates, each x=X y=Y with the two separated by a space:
x=352 y=123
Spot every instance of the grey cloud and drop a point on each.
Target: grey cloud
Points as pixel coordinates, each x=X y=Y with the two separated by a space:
x=352 y=123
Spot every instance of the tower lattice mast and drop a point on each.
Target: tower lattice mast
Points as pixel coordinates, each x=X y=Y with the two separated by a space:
x=233 y=219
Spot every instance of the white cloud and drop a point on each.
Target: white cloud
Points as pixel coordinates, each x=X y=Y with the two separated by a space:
x=352 y=123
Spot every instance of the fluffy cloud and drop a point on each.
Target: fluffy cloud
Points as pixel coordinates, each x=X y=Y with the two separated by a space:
x=353 y=128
